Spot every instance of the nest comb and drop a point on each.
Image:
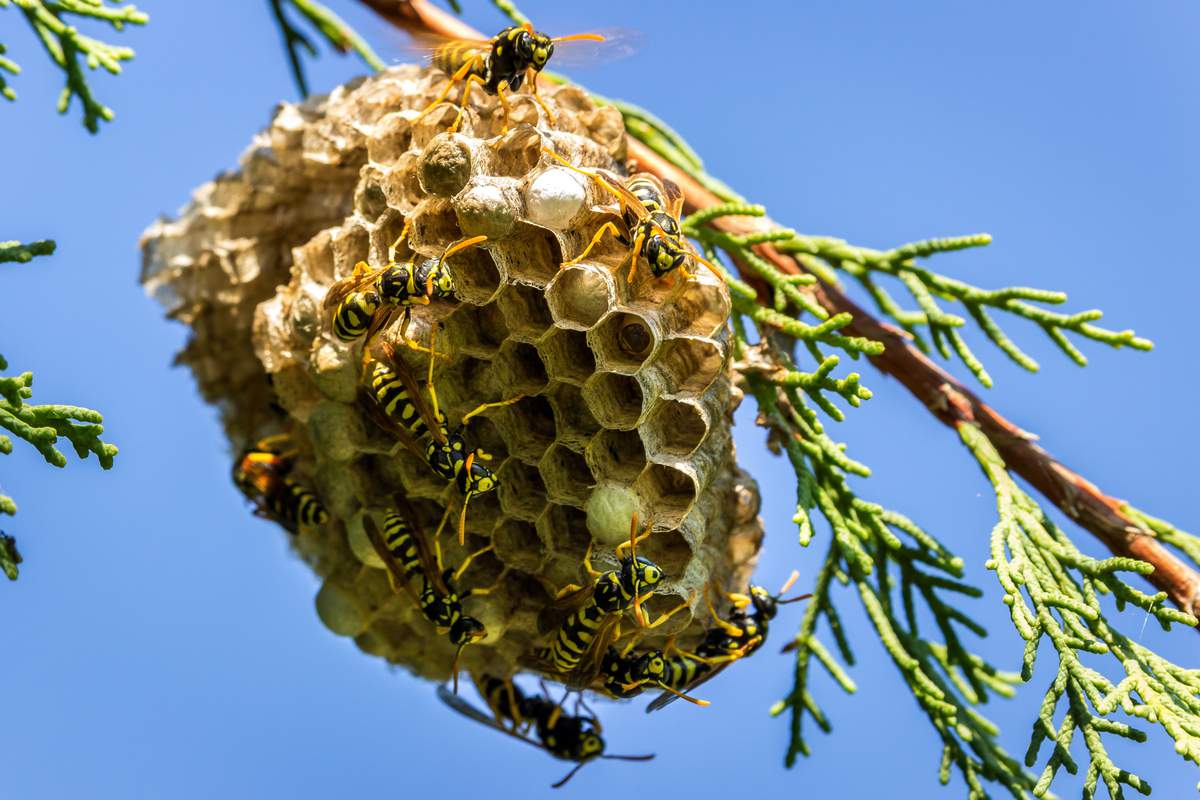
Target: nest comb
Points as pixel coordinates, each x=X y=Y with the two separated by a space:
x=628 y=392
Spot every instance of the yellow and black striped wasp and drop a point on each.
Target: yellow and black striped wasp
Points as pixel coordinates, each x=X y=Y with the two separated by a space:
x=501 y=64
x=402 y=409
x=404 y=551
x=729 y=641
x=570 y=737
x=263 y=474
x=366 y=301
x=650 y=211
x=583 y=638
x=628 y=674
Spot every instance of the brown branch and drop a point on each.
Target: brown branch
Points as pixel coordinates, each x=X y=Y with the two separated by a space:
x=948 y=399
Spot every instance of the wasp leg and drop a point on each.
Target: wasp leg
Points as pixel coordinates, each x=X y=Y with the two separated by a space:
x=396 y=244
x=462 y=103
x=682 y=605
x=634 y=537
x=462 y=73
x=467 y=561
x=503 y=105
x=485 y=591
x=634 y=252
x=532 y=80
x=608 y=227
x=485 y=406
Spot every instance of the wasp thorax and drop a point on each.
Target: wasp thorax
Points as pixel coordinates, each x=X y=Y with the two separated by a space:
x=614 y=419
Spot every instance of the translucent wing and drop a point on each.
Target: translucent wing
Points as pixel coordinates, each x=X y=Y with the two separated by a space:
x=471 y=712
x=618 y=43
x=425 y=44
x=351 y=283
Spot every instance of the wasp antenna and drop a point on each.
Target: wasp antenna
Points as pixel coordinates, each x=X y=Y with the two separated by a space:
x=788 y=583
x=569 y=775
x=575 y=37
x=462 y=517
x=682 y=696
x=796 y=599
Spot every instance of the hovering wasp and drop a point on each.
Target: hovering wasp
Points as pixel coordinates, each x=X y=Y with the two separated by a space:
x=403 y=410
x=367 y=300
x=731 y=640
x=403 y=554
x=650 y=212
x=627 y=675
x=500 y=64
x=584 y=636
x=263 y=473
x=565 y=736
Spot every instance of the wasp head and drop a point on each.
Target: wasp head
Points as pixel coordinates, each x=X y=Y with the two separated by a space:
x=651 y=666
x=663 y=253
x=534 y=47
x=466 y=630
x=766 y=605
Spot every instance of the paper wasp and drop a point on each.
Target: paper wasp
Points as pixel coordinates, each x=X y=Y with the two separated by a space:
x=500 y=64
x=729 y=641
x=404 y=553
x=402 y=410
x=368 y=300
x=263 y=474
x=627 y=675
x=650 y=211
x=583 y=638
x=565 y=736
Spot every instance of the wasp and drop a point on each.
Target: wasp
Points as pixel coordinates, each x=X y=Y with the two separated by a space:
x=585 y=635
x=626 y=675
x=401 y=548
x=499 y=65
x=729 y=641
x=367 y=300
x=650 y=211
x=570 y=737
x=263 y=473
x=403 y=411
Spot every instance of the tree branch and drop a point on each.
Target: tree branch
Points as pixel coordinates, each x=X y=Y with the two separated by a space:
x=945 y=397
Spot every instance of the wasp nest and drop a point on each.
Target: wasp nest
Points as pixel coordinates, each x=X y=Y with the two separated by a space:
x=627 y=388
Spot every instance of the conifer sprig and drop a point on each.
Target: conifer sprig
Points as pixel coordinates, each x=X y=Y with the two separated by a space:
x=42 y=426
x=340 y=36
x=52 y=21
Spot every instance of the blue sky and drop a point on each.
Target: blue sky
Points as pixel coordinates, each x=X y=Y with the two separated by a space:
x=162 y=642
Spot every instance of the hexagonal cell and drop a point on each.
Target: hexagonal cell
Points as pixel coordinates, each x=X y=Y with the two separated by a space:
x=525 y=311
x=532 y=254
x=390 y=139
x=445 y=165
x=574 y=423
x=700 y=307
x=477 y=278
x=483 y=572
x=433 y=225
x=567 y=356
x=580 y=295
x=690 y=364
x=618 y=455
x=521 y=491
x=669 y=550
x=475 y=331
x=516 y=153
x=369 y=198
x=674 y=428
x=566 y=475
x=519 y=369
x=616 y=400
x=623 y=341
x=527 y=427
x=667 y=492
x=518 y=545
x=349 y=248
x=566 y=527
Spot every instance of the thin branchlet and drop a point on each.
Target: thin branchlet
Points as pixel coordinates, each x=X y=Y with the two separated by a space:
x=52 y=22
x=42 y=426
x=340 y=36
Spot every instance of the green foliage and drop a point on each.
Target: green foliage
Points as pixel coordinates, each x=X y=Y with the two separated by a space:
x=1053 y=591
x=41 y=425
x=51 y=21
x=340 y=36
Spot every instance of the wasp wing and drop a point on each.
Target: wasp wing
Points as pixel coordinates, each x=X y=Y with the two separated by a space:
x=617 y=43
x=666 y=698
x=471 y=712
x=391 y=359
x=426 y=45
x=351 y=283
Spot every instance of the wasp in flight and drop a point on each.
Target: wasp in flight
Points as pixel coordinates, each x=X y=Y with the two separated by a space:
x=569 y=737
x=729 y=641
x=404 y=553
x=501 y=64
x=367 y=300
x=650 y=211
x=403 y=410
x=263 y=474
